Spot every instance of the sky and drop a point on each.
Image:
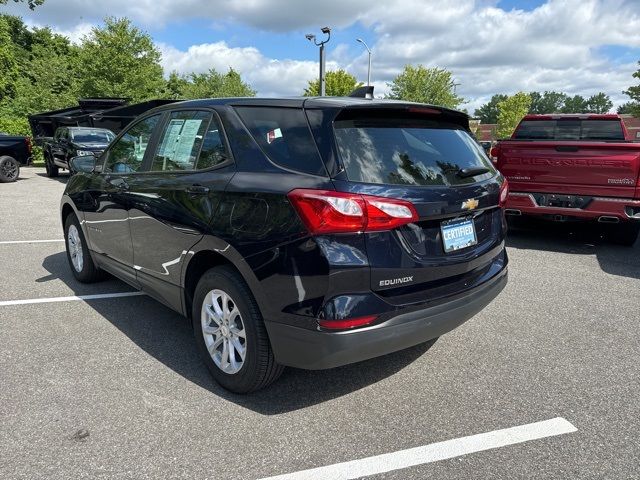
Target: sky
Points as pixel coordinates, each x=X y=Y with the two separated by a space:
x=491 y=46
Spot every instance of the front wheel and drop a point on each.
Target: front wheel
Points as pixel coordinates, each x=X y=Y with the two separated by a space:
x=78 y=255
x=51 y=168
x=9 y=169
x=230 y=332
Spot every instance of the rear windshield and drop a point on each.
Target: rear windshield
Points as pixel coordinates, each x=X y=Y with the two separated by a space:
x=92 y=136
x=408 y=152
x=570 y=129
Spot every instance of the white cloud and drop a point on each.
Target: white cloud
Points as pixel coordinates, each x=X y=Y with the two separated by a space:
x=489 y=50
x=271 y=77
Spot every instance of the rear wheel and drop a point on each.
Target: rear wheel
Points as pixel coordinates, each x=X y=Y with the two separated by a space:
x=9 y=169
x=230 y=332
x=78 y=254
x=625 y=233
x=52 y=169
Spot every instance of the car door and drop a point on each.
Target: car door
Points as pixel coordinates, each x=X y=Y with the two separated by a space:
x=108 y=221
x=58 y=146
x=174 y=200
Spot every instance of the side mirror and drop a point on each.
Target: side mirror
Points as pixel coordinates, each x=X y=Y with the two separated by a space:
x=83 y=163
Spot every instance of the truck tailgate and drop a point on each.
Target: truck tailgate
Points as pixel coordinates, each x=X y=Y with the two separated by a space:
x=540 y=165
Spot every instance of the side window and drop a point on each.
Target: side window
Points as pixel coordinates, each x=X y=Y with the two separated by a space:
x=284 y=135
x=192 y=140
x=126 y=154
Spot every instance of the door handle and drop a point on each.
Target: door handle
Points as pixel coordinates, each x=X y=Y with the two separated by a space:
x=197 y=190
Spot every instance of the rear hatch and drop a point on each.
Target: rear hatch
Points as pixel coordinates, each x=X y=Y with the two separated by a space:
x=572 y=152
x=424 y=156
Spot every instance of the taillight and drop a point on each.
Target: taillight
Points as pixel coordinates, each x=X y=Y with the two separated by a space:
x=327 y=211
x=504 y=193
x=494 y=151
x=347 y=322
x=27 y=140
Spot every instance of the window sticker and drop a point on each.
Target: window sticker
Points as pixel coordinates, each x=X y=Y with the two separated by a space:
x=186 y=140
x=168 y=146
x=272 y=135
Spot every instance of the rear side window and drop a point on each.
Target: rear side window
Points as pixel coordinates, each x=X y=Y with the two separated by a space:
x=284 y=135
x=407 y=152
x=570 y=129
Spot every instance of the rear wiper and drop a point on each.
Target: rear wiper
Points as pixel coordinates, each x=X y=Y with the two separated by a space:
x=472 y=171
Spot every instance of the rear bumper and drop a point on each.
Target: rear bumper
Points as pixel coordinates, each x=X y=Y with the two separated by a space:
x=316 y=350
x=620 y=208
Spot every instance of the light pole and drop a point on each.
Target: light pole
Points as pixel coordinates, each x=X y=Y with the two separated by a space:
x=369 y=69
x=312 y=38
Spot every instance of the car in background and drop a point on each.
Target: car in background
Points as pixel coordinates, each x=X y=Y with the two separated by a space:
x=311 y=232
x=14 y=152
x=574 y=168
x=69 y=142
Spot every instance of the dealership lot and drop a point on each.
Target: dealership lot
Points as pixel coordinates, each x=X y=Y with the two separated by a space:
x=113 y=387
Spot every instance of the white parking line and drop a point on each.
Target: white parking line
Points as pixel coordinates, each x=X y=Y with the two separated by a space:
x=74 y=298
x=14 y=242
x=434 y=452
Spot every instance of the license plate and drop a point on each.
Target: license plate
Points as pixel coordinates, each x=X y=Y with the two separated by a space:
x=458 y=234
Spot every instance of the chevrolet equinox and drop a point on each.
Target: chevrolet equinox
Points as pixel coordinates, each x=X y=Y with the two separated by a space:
x=309 y=232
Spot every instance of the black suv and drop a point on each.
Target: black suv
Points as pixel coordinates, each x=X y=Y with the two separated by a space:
x=69 y=142
x=304 y=232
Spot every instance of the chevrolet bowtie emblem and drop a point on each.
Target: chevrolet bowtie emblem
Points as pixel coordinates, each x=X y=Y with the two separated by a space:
x=470 y=204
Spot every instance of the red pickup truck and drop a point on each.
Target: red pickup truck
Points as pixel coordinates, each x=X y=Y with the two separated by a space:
x=574 y=168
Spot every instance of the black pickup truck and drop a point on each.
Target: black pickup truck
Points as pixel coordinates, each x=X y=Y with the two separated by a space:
x=14 y=151
x=69 y=142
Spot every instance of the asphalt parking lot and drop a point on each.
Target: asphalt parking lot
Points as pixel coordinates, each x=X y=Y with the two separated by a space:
x=113 y=388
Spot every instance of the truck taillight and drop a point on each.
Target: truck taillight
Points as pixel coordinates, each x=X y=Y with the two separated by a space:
x=27 y=141
x=504 y=193
x=327 y=211
x=494 y=151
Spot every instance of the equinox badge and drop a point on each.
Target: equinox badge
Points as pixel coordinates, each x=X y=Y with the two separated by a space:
x=470 y=204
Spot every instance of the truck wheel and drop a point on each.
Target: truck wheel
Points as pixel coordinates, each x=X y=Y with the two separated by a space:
x=230 y=332
x=9 y=169
x=78 y=254
x=625 y=233
x=52 y=169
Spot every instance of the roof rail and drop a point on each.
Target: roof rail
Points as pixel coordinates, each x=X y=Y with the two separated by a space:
x=363 y=92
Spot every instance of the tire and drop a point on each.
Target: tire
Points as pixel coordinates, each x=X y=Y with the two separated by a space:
x=625 y=233
x=9 y=169
x=52 y=169
x=78 y=254
x=258 y=368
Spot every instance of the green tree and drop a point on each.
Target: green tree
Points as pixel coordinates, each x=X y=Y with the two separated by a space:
x=175 y=86
x=547 y=102
x=119 y=60
x=488 y=113
x=511 y=112
x=8 y=61
x=32 y=3
x=425 y=85
x=575 y=104
x=213 y=84
x=634 y=93
x=599 y=103
x=338 y=83
x=632 y=108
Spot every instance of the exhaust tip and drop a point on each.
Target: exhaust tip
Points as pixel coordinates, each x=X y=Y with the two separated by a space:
x=512 y=211
x=606 y=219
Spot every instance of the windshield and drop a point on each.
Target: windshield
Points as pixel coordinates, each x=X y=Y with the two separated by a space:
x=92 y=136
x=408 y=152
x=569 y=129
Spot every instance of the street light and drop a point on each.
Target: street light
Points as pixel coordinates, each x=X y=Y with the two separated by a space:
x=312 y=38
x=369 y=51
